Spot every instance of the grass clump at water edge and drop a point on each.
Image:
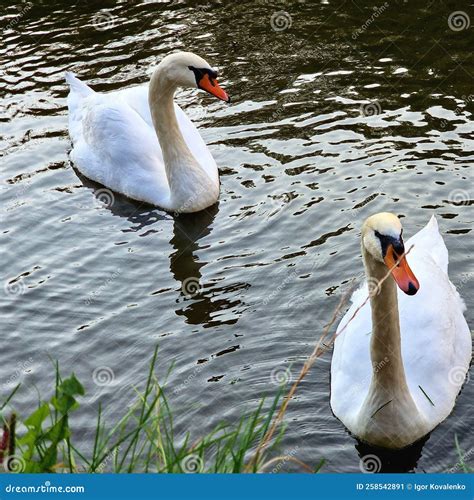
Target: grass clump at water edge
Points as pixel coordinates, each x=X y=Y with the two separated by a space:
x=143 y=440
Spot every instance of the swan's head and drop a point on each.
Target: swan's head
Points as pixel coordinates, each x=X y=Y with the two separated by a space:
x=186 y=69
x=382 y=239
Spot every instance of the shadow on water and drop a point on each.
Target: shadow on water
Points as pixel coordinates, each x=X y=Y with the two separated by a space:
x=185 y=265
x=188 y=229
x=404 y=460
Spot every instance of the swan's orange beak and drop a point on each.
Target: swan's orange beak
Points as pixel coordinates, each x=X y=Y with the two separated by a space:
x=401 y=271
x=210 y=85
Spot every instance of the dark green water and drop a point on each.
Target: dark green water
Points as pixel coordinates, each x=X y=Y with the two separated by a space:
x=339 y=111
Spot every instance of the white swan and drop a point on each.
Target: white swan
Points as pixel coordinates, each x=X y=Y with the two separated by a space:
x=138 y=142
x=419 y=345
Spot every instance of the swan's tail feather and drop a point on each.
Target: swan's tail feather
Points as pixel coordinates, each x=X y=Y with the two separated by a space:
x=79 y=92
x=76 y=85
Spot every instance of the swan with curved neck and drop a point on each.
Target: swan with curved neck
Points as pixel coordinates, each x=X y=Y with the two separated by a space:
x=391 y=374
x=138 y=142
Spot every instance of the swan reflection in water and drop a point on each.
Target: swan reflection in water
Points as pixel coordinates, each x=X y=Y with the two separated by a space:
x=202 y=301
x=373 y=459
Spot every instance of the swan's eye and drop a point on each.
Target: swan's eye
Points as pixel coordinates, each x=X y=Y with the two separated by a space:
x=200 y=73
x=386 y=241
x=206 y=80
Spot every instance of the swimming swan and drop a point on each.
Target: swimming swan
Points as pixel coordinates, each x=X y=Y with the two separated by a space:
x=138 y=142
x=419 y=345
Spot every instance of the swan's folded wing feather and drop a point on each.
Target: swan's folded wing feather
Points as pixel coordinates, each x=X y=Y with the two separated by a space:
x=351 y=368
x=429 y=240
x=120 y=150
x=79 y=91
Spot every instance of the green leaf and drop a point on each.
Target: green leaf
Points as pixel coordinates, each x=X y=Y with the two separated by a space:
x=50 y=458
x=64 y=403
x=58 y=432
x=72 y=387
x=37 y=417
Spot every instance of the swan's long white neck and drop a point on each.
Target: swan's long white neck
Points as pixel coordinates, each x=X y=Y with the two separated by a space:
x=389 y=414
x=191 y=188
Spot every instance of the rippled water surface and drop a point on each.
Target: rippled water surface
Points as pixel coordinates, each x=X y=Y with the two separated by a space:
x=339 y=111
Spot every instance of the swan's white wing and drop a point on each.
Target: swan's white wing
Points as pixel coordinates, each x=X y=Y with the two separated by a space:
x=351 y=366
x=436 y=342
x=117 y=148
x=137 y=98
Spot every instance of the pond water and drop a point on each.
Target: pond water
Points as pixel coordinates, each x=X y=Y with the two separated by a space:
x=339 y=111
